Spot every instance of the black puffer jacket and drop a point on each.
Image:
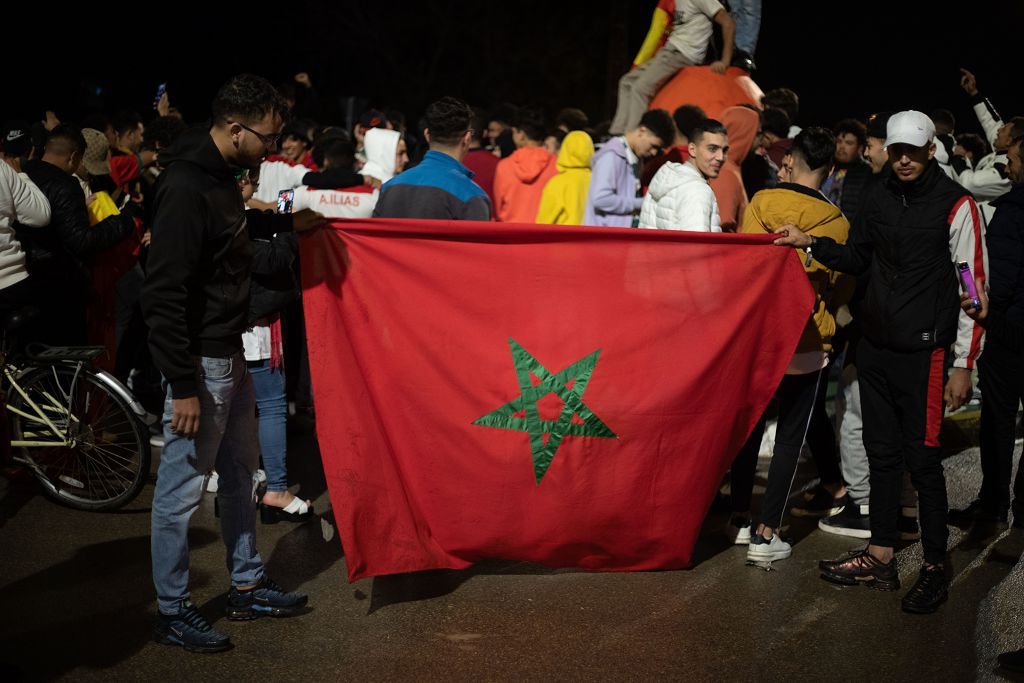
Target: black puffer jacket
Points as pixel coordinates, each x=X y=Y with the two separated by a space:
x=1006 y=255
x=858 y=180
x=66 y=247
x=196 y=295
x=901 y=239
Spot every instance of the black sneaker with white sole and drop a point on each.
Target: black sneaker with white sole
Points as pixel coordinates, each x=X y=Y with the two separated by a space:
x=847 y=519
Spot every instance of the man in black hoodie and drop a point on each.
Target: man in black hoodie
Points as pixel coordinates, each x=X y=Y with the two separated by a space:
x=909 y=232
x=195 y=301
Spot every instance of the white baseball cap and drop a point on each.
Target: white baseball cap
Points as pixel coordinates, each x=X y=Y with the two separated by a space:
x=911 y=128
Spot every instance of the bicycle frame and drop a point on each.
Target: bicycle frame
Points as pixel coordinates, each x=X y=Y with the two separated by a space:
x=39 y=414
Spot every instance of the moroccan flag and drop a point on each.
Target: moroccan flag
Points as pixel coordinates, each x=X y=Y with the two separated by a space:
x=564 y=395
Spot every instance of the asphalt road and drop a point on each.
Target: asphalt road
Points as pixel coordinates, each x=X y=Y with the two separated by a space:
x=77 y=603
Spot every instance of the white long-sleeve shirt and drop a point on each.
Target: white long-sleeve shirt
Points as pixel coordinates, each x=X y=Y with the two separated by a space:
x=20 y=202
x=985 y=181
x=967 y=243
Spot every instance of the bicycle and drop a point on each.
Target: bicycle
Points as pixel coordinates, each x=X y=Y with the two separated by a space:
x=78 y=429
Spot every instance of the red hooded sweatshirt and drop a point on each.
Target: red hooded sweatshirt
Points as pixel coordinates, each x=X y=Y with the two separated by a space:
x=519 y=182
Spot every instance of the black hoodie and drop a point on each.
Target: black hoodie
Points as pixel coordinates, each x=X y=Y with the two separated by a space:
x=196 y=295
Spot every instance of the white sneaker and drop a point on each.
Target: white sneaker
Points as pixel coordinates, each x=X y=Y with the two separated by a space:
x=738 y=530
x=765 y=550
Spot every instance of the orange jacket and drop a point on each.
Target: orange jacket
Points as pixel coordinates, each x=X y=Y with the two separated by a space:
x=519 y=182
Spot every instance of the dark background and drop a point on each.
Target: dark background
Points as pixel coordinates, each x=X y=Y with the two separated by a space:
x=842 y=58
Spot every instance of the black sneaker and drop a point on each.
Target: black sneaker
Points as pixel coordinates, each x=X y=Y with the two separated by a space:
x=1012 y=661
x=743 y=60
x=266 y=599
x=817 y=502
x=847 y=519
x=861 y=567
x=930 y=591
x=190 y=630
x=978 y=511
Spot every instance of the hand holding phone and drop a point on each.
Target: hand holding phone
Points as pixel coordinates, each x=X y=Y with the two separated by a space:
x=160 y=92
x=967 y=282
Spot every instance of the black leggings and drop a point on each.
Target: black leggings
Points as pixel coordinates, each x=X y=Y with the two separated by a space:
x=799 y=396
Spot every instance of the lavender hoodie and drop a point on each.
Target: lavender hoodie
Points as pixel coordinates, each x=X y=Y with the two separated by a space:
x=612 y=197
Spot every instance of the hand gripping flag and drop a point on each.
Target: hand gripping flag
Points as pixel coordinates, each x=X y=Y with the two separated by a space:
x=564 y=395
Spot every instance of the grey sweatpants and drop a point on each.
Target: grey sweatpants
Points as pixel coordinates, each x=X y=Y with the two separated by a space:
x=638 y=87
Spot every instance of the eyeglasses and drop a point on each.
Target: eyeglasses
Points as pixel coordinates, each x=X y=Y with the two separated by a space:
x=267 y=140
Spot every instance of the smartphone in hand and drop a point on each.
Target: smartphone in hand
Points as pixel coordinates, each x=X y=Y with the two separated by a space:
x=161 y=89
x=967 y=282
x=285 y=199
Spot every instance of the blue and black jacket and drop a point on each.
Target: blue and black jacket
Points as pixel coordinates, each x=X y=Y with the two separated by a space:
x=439 y=187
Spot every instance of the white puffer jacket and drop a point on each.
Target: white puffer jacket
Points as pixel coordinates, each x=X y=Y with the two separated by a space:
x=680 y=199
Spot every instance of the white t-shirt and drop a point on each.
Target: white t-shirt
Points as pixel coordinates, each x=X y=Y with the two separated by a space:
x=256 y=343
x=277 y=175
x=351 y=202
x=692 y=29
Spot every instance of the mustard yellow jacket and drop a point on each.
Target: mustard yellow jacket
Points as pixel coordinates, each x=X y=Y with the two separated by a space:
x=808 y=210
x=565 y=195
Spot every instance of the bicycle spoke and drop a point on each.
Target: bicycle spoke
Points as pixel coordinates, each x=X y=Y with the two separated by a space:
x=99 y=462
x=116 y=456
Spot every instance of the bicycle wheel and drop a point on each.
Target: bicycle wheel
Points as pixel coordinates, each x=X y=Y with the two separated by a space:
x=108 y=461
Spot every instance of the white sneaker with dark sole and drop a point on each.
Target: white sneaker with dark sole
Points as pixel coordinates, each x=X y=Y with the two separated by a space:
x=762 y=549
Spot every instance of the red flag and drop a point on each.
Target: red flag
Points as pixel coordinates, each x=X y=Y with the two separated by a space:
x=568 y=396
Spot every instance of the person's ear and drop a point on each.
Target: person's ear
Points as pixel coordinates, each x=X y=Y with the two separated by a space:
x=426 y=135
x=931 y=151
x=467 y=137
x=692 y=147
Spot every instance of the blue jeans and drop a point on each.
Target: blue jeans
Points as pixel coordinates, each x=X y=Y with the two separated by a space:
x=226 y=442
x=273 y=409
x=747 y=15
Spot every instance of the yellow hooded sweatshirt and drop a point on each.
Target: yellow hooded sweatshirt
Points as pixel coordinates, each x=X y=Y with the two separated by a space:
x=565 y=195
x=814 y=215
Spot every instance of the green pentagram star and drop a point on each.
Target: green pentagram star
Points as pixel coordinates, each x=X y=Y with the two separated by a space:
x=579 y=374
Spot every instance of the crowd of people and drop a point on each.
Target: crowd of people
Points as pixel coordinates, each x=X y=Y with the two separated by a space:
x=174 y=247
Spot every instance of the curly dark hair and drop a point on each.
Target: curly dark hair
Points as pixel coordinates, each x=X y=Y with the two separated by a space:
x=248 y=99
x=162 y=131
x=659 y=122
x=854 y=128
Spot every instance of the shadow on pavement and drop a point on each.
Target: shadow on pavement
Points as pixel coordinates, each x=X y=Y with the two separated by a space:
x=304 y=553
x=93 y=610
x=434 y=583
